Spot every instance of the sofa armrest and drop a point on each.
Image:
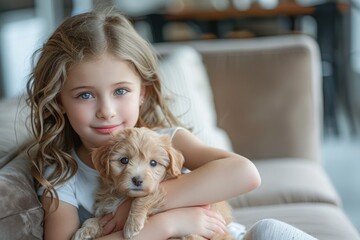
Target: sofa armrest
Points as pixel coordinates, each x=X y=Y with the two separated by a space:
x=286 y=181
x=21 y=214
x=13 y=128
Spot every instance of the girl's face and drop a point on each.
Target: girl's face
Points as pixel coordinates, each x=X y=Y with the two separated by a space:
x=100 y=97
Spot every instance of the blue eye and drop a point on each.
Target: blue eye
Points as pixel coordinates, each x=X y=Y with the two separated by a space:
x=120 y=91
x=86 y=95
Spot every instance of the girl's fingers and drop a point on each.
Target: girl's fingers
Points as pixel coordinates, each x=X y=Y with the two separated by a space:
x=218 y=228
x=109 y=227
x=215 y=225
x=217 y=216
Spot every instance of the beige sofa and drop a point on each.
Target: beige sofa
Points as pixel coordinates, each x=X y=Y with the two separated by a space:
x=259 y=97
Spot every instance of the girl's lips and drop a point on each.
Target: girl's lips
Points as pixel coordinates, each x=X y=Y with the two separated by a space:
x=106 y=129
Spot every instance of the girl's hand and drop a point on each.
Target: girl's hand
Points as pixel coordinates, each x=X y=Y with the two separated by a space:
x=195 y=220
x=178 y=222
x=115 y=223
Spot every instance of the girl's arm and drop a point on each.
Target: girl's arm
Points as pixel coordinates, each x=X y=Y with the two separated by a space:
x=216 y=174
x=177 y=223
x=62 y=223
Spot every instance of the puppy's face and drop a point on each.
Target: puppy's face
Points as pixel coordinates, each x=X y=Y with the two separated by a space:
x=136 y=161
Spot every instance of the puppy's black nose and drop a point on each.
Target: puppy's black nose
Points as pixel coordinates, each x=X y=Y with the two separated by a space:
x=137 y=181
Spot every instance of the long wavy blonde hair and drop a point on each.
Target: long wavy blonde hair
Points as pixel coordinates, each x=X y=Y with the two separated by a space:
x=81 y=38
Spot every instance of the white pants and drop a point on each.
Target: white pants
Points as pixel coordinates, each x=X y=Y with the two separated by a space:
x=270 y=229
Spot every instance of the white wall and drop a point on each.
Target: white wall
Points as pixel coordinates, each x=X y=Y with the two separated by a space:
x=355 y=61
x=355 y=45
x=20 y=35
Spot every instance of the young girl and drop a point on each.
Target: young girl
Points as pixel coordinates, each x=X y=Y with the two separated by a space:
x=96 y=75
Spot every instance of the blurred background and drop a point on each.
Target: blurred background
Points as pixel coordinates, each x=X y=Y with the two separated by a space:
x=26 y=24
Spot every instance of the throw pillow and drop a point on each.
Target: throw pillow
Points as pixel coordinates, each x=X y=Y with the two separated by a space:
x=186 y=84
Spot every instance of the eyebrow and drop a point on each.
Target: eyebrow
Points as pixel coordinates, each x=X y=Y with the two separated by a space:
x=113 y=85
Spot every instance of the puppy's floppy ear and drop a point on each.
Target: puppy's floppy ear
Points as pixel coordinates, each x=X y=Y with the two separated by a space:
x=175 y=157
x=101 y=160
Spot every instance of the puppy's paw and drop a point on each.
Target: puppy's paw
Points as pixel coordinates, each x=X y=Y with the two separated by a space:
x=84 y=234
x=130 y=233
x=131 y=230
x=91 y=229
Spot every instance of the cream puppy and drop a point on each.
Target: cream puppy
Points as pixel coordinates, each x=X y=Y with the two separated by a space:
x=132 y=165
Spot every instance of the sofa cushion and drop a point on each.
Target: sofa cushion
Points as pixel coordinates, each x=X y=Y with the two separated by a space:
x=323 y=221
x=289 y=181
x=186 y=85
x=277 y=111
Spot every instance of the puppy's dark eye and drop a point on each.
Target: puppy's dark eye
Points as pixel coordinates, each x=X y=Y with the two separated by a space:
x=124 y=160
x=153 y=163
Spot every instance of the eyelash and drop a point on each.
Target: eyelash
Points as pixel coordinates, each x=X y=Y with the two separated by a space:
x=123 y=90
x=81 y=95
x=118 y=92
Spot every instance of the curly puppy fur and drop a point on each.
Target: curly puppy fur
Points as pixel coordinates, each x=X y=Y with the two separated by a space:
x=131 y=166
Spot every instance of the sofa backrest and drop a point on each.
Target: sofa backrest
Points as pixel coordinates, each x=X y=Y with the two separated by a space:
x=267 y=93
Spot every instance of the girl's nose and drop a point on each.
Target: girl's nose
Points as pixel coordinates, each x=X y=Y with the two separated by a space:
x=106 y=110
